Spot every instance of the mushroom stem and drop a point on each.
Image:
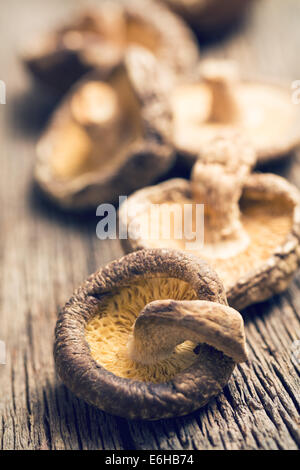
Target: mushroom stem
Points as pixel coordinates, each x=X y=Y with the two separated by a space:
x=97 y=109
x=220 y=192
x=217 y=181
x=95 y=105
x=163 y=324
x=222 y=77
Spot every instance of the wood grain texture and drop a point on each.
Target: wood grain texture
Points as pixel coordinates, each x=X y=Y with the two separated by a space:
x=45 y=254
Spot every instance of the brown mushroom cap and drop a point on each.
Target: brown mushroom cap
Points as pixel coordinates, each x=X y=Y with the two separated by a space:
x=263 y=112
x=178 y=297
x=209 y=16
x=269 y=215
x=98 y=37
x=107 y=138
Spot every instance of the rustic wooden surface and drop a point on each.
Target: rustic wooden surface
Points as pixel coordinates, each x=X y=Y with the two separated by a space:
x=45 y=254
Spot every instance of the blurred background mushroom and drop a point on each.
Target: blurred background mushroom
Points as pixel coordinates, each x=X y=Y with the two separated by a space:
x=221 y=100
x=109 y=137
x=98 y=37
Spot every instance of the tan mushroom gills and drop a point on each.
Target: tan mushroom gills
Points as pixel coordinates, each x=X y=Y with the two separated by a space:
x=249 y=219
x=100 y=122
x=267 y=222
x=69 y=150
x=150 y=335
x=164 y=324
x=220 y=100
x=109 y=333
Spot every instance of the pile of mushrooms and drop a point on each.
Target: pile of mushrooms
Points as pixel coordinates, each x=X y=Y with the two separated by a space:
x=155 y=334
x=220 y=101
x=112 y=136
x=108 y=137
x=251 y=221
x=98 y=37
x=149 y=336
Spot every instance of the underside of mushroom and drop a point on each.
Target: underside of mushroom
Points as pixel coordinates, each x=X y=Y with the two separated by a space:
x=250 y=222
x=137 y=336
x=149 y=336
x=221 y=101
x=108 y=137
x=98 y=37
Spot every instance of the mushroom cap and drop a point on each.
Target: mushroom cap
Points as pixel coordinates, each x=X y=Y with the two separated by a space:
x=265 y=115
x=137 y=399
x=270 y=215
x=107 y=138
x=209 y=16
x=98 y=37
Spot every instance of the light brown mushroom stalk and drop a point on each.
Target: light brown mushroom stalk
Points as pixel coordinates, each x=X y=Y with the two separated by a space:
x=217 y=182
x=97 y=109
x=222 y=77
x=163 y=324
x=95 y=103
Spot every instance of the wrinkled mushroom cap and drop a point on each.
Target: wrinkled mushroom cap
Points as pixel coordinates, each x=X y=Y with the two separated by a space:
x=179 y=296
x=208 y=16
x=98 y=37
x=269 y=207
x=221 y=101
x=107 y=138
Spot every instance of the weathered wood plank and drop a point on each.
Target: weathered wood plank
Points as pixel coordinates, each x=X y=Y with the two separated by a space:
x=45 y=254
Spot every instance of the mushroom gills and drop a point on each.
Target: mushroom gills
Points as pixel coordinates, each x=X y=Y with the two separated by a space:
x=267 y=223
x=264 y=113
x=101 y=122
x=108 y=332
x=138 y=337
x=105 y=353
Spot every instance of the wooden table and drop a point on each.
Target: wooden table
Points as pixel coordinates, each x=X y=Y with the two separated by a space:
x=45 y=254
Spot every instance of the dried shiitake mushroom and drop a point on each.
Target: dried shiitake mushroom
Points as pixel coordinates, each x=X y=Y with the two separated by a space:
x=209 y=16
x=98 y=37
x=251 y=221
x=221 y=100
x=109 y=137
x=149 y=336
